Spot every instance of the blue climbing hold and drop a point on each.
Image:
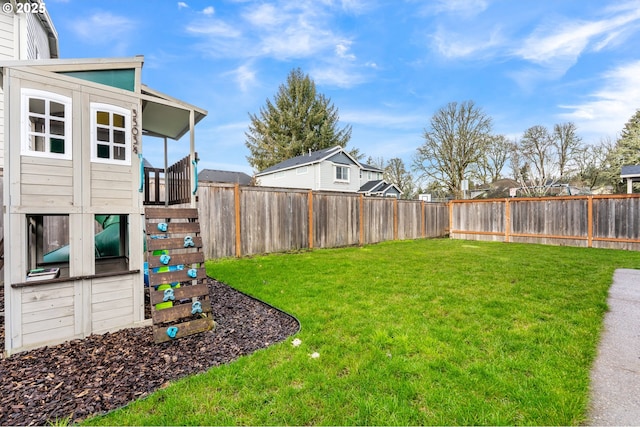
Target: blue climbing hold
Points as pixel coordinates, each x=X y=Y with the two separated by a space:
x=180 y=267
x=164 y=258
x=172 y=331
x=168 y=295
x=196 y=307
x=188 y=242
x=193 y=273
x=162 y=226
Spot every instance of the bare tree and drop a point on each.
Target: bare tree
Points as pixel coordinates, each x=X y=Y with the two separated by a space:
x=496 y=155
x=567 y=144
x=454 y=142
x=590 y=163
x=533 y=154
x=396 y=173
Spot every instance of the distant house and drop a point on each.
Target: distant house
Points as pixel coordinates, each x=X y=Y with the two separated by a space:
x=330 y=169
x=225 y=177
x=380 y=188
x=632 y=174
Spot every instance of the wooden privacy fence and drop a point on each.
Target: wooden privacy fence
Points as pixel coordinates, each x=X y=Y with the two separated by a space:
x=239 y=221
x=608 y=221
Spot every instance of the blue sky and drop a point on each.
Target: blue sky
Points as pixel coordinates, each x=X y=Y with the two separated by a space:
x=387 y=65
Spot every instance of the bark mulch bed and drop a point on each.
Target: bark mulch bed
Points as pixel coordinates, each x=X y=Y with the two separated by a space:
x=79 y=378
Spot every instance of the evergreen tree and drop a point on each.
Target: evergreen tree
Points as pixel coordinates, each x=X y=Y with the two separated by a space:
x=298 y=120
x=625 y=152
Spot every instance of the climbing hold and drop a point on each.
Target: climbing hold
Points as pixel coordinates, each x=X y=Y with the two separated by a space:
x=193 y=273
x=168 y=295
x=165 y=259
x=188 y=242
x=180 y=267
x=196 y=307
x=162 y=226
x=172 y=331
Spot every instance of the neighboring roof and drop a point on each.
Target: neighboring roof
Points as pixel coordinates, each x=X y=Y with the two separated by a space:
x=369 y=186
x=210 y=175
x=379 y=187
x=370 y=168
x=305 y=159
x=630 y=171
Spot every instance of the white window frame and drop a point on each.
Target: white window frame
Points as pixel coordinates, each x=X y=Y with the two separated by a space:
x=335 y=173
x=302 y=170
x=279 y=175
x=47 y=97
x=111 y=109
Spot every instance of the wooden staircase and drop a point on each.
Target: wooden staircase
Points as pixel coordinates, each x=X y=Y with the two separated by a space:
x=178 y=289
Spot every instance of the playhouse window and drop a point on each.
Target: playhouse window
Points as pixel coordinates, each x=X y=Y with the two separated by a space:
x=111 y=243
x=47 y=120
x=110 y=134
x=48 y=243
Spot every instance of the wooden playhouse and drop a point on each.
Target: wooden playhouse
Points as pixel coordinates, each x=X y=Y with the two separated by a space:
x=75 y=195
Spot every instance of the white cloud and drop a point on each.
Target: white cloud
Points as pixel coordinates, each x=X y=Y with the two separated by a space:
x=558 y=44
x=264 y=16
x=214 y=29
x=335 y=75
x=342 y=50
x=470 y=44
x=464 y=8
x=384 y=120
x=209 y=10
x=282 y=29
x=245 y=77
x=110 y=27
x=182 y=5
x=610 y=106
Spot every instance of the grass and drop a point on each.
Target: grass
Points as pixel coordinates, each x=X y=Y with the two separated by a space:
x=428 y=332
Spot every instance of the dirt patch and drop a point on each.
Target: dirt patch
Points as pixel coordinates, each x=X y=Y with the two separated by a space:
x=103 y=372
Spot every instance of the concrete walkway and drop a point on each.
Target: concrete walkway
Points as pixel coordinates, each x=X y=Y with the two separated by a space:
x=615 y=378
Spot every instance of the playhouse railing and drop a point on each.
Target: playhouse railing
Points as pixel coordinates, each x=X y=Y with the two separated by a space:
x=177 y=178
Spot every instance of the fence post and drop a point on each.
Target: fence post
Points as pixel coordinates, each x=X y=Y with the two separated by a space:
x=361 y=219
x=450 y=219
x=395 y=219
x=423 y=220
x=589 y=221
x=507 y=220
x=310 y=203
x=236 y=192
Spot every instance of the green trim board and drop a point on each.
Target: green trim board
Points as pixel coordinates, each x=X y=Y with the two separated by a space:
x=122 y=79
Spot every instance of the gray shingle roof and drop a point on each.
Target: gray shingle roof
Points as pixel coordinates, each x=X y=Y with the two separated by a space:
x=370 y=168
x=630 y=170
x=369 y=185
x=305 y=159
x=211 y=175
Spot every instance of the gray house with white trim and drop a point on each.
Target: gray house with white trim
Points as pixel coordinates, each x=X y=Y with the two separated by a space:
x=631 y=174
x=330 y=169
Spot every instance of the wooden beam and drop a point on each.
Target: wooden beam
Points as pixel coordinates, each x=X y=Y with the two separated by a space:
x=361 y=219
x=590 y=222
x=184 y=329
x=310 y=217
x=236 y=193
x=507 y=220
x=423 y=220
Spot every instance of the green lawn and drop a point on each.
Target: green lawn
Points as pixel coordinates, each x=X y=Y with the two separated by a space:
x=408 y=333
